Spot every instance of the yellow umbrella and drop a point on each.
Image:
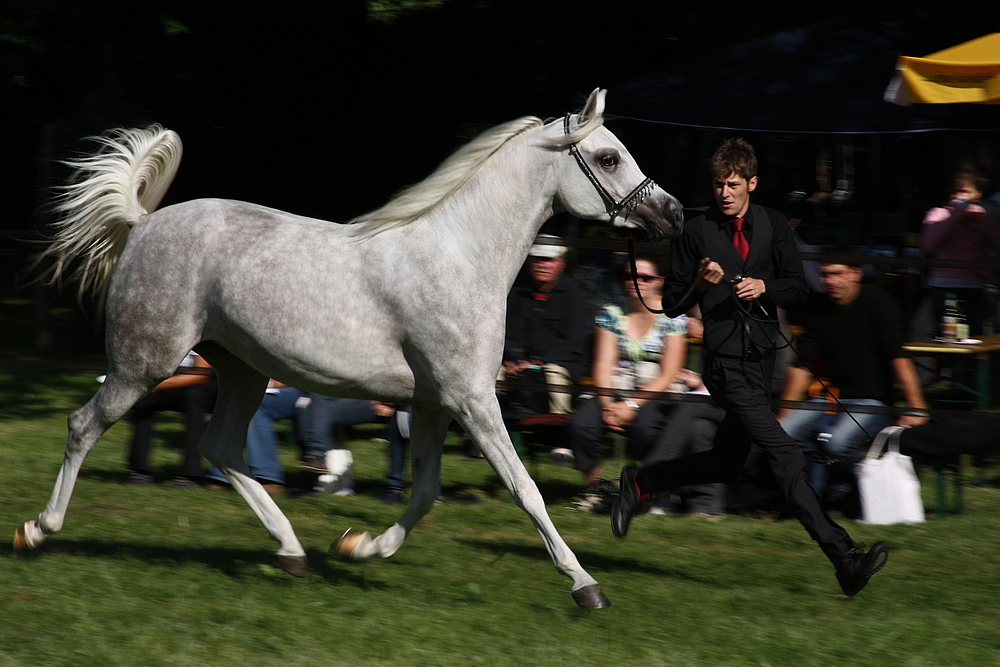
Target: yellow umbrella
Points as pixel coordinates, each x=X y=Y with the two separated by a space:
x=968 y=72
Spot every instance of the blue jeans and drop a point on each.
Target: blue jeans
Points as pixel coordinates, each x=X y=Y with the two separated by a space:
x=262 y=441
x=318 y=421
x=397 y=448
x=835 y=436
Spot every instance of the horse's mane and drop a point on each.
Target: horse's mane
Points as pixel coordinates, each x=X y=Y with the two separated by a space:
x=417 y=200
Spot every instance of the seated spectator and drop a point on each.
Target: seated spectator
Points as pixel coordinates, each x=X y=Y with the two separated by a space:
x=546 y=328
x=857 y=331
x=398 y=432
x=634 y=349
x=689 y=428
x=192 y=390
x=262 y=451
x=318 y=418
x=319 y=421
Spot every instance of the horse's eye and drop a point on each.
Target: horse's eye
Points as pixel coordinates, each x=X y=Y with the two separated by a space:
x=609 y=161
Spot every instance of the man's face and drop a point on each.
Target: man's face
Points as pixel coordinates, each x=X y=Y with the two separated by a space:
x=841 y=282
x=732 y=194
x=545 y=270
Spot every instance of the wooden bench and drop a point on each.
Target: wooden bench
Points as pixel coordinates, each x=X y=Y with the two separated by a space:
x=539 y=434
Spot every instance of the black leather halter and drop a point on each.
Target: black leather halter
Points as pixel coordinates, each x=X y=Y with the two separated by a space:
x=626 y=204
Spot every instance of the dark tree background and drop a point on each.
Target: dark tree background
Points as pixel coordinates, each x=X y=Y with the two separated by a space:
x=327 y=109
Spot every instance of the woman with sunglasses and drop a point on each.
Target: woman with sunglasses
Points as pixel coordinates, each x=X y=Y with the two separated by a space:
x=634 y=349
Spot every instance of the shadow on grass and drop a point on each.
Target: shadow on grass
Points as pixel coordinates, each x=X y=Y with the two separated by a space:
x=589 y=560
x=558 y=491
x=163 y=475
x=239 y=564
x=40 y=394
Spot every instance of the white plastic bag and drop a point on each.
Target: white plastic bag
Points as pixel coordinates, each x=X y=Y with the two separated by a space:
x=888 y=484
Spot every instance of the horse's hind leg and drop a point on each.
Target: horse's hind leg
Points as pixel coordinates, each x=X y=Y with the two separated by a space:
x=86 y=426
x=427 y=433
x=240 y=391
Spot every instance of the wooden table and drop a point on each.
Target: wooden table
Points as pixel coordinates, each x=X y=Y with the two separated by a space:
x=979 y=352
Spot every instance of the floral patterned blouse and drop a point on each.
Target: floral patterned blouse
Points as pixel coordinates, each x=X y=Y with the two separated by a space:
x=647 y=349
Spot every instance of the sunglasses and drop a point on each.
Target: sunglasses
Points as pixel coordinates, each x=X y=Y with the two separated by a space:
x=641 y=277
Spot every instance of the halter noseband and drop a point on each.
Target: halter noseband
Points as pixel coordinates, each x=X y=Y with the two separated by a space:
x=628 y=203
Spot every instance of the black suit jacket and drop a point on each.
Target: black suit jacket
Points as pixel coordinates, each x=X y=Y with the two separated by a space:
x=773 y=258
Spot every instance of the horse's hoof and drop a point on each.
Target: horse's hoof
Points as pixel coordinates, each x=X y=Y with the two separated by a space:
x=294 y=565
x=591 y=597
x=350 y=543
x=28 y=536
x=21 y=540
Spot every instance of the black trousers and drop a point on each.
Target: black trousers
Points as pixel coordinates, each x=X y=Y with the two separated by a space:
x=691 y=427
x=194 y=402
x=586 y=432
x=742 y=389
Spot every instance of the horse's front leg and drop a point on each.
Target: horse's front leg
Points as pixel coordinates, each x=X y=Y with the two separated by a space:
x=481 y=419
x=427 y=433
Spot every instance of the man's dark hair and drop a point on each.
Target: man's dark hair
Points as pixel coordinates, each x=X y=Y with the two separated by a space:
x=734 y=156
x=843 y=253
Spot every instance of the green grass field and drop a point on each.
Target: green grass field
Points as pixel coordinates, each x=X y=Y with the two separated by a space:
x=159 y=576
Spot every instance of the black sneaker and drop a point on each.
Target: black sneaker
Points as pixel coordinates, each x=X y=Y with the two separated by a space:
x=858 y=567
x=596 y=499
x=626 y=503
x=315 y=465
x=392 y=496
x=185 y=483
x=139 y=479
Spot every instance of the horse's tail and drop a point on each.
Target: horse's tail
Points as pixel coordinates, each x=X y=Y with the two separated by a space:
x=108 y=193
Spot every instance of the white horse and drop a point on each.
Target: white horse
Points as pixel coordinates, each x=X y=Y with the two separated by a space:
x=404 y=305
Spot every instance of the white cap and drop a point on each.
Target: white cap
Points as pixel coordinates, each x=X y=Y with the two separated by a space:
x=548 y=246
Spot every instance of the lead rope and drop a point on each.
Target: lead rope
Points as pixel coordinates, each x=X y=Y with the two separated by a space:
x=826 y=460
x=635 y=283
x=815 y=455
x=635 y=279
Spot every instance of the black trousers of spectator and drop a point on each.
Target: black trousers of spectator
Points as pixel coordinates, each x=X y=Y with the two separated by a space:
x=691 y=427
x=194 y=402
x=743 y=390
x=586 y=432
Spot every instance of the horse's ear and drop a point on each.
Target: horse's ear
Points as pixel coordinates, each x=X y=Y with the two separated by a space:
x=595 y=106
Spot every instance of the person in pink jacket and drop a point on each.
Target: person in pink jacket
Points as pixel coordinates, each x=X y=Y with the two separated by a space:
x=966 y=228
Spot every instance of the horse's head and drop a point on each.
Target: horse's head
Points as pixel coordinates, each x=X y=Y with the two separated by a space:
x=601 y=180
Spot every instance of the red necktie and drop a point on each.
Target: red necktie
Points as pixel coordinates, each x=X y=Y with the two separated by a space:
x=740 y=241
